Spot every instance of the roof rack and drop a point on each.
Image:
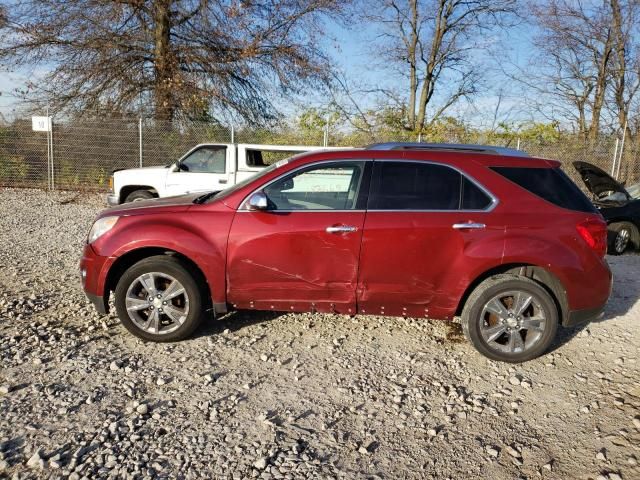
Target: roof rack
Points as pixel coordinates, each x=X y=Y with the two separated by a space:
x=451 y=147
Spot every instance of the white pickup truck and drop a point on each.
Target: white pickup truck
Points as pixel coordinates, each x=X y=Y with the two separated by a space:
x=205 y=168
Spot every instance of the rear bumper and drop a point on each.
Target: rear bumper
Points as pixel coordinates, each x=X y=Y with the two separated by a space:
x=577 y=317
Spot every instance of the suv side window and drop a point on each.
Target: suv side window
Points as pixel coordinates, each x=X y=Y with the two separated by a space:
x=472 y=197
x=551 y=184
x=320 y=187
x=406 y=185
x=206 y=160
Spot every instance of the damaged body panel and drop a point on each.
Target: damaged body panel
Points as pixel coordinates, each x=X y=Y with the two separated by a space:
x=289 y=261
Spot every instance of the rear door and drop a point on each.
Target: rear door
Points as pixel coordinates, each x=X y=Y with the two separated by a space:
x=301 y=253
x=204 y=169
x=424 y=221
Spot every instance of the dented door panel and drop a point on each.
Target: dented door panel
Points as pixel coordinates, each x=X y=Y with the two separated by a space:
x=289 y=261
x=416 y=264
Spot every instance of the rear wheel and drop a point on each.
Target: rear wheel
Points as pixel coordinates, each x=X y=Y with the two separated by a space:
x=510 y=318
x=157 y=299
x=139 y=195
x=622 y=235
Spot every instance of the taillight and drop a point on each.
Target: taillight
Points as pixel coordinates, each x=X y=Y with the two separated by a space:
x=111 y=183
x=594 y=232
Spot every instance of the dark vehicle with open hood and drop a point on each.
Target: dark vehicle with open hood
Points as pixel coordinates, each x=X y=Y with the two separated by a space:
x=619 y=206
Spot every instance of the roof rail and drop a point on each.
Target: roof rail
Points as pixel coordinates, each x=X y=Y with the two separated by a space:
x=452 y=147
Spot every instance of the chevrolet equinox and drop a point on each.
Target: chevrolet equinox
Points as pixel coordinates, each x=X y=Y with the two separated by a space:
x=505 y=241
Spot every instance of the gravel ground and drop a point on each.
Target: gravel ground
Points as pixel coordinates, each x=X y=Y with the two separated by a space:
x=291 y=395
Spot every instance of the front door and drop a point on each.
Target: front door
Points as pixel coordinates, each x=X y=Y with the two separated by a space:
x=301 y=254
x=203 y=170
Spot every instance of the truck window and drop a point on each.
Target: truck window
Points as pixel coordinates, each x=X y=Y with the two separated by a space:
x=206 y=160
x=263 y=158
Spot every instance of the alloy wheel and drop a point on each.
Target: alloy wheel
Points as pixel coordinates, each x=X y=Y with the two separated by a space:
x=157 y=303
x=622 y=240
x=512 y=322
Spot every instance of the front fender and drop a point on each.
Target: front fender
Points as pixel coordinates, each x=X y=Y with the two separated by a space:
x=200 y=236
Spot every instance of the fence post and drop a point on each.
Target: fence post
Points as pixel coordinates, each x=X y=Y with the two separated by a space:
x=615 y=158
x=624 y=134
x=53 y=170
x=140 y=139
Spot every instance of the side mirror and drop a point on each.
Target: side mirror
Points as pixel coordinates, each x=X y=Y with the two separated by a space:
x=258 y=201
x=287 y=185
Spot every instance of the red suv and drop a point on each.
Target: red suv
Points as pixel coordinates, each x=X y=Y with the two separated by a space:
x=505 y=241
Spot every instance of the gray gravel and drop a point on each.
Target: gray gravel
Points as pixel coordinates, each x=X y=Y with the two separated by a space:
x=261 y=395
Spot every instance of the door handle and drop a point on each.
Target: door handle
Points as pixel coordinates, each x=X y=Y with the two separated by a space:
x=341 y=229
x=468 y=225
x=222 y=181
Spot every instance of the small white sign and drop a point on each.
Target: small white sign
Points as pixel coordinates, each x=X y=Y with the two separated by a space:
x=41 y=124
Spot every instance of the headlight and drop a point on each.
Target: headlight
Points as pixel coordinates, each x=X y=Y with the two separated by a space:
x=100 y=227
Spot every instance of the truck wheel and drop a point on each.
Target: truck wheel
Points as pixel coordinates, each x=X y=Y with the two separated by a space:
x=510 y=318
x=622 y=235
x=157 y=299
x=138 y=195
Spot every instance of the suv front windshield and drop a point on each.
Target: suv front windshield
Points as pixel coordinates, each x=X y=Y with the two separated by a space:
x=225 y=193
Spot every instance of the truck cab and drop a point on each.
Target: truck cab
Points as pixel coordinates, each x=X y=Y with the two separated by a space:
x=206 y=167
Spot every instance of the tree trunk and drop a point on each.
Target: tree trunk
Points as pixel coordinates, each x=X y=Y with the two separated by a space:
x=413 y=74
x=620 y=70
x=428 y=85
x=601 y=87
x=162 y=62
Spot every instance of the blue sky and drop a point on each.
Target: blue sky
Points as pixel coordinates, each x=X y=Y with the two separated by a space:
x=352 y=49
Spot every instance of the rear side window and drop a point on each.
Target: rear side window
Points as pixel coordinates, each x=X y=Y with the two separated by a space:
x=551 y=184
x=398 y=185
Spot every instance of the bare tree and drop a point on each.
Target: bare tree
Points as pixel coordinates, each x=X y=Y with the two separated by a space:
x=188 y=58
x=576 y=47
x=432 y=42
x=625 y=65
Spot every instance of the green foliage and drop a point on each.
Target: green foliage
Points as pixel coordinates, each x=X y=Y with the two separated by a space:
x=13 y=168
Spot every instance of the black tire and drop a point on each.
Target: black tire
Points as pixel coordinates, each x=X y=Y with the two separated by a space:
x=138 y=195
x=473 y=321
x=617 y=232
x=167 y=265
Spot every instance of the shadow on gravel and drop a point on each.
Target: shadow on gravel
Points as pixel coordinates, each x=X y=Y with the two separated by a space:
x=235 y=321
x=565 y=335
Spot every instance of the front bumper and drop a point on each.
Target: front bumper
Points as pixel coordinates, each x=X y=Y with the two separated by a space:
x=112 y=199
x=102 y=307
x=92 y=268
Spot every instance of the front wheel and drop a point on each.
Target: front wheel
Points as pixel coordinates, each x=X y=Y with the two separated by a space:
x=157 y=299
x=510 y=318
x=138 y=196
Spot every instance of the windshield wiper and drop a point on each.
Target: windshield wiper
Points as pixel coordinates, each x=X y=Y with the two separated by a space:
x=205 y=197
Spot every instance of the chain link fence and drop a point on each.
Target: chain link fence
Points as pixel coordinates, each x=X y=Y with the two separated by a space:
x=80 y=154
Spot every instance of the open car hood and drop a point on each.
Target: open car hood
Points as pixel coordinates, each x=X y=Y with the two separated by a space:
x=599 y=182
